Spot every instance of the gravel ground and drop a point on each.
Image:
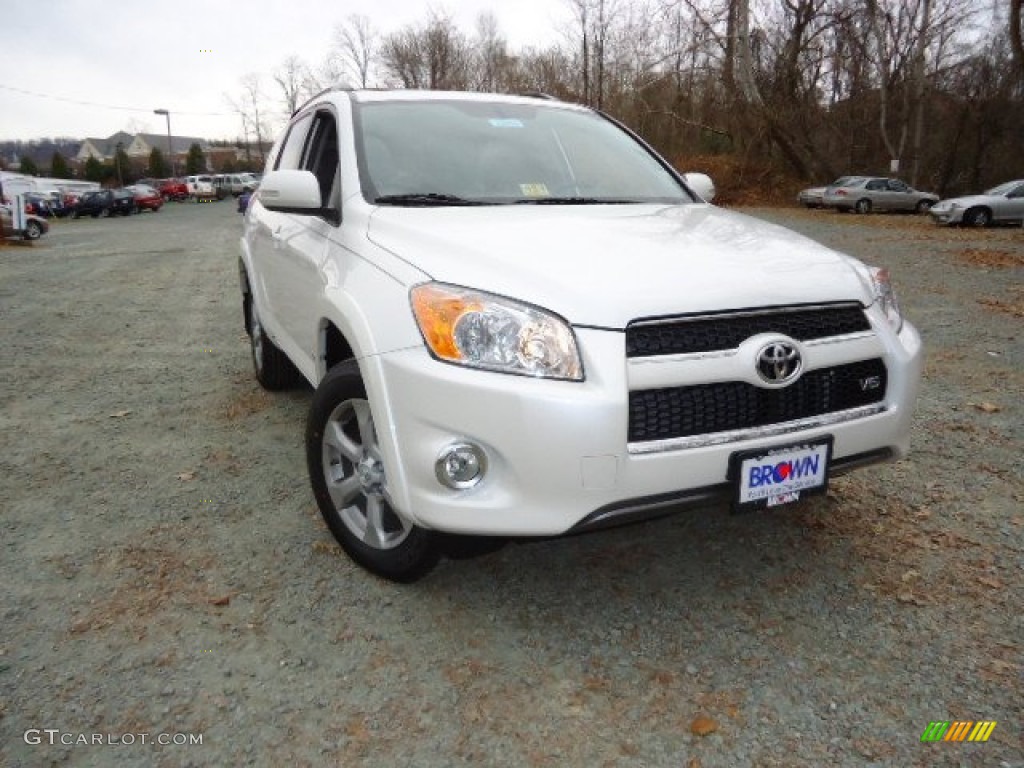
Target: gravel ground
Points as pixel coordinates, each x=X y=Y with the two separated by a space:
x=166 y=569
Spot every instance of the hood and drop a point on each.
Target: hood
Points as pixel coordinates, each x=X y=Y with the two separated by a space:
x=965 y=202
x=607 y=265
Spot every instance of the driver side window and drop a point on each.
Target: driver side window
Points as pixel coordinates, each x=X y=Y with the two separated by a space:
x=322 y=158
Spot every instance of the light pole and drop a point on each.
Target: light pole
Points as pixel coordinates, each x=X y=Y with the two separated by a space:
x=170 y=150
x=117 y=161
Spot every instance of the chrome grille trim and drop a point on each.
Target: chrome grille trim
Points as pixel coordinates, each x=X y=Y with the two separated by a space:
x=719 y=353
x=756 y=433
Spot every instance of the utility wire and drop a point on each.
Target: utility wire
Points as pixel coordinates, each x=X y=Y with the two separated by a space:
x=107 y=106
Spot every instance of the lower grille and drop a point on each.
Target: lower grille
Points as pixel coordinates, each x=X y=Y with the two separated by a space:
x=663 y=414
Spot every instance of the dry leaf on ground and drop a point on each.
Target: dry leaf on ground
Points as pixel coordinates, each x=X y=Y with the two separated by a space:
x=703 y=725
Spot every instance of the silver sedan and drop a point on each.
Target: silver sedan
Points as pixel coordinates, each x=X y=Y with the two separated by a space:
x=864 y=194
x=1004 y=203
x=33 y=227
x=812 y=196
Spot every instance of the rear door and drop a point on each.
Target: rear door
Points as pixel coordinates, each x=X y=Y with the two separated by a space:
x=1013 y=207
x=901 y=197
x=877 y=191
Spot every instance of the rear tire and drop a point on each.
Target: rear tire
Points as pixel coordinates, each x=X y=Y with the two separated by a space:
x=863 y=206
x=274 y=371
x=349 y=482
x=33 y=231
x=977 y=217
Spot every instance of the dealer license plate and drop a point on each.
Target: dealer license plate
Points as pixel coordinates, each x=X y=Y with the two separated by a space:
x=775 y=476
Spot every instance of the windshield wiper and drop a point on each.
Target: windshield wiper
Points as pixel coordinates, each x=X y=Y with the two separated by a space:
x=573 y=201
x=425 y=199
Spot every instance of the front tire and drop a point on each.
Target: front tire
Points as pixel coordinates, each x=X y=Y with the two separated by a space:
x=924 y=206
x=977 y=217
x=350 y=483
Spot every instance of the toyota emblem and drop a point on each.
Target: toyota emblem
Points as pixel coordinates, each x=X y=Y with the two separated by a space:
x=779 y=363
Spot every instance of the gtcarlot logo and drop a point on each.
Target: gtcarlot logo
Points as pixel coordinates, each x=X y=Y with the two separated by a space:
x=55 y=736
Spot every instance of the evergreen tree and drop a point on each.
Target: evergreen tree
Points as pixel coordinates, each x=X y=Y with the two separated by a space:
x=122 y=166
x=157 y=167
x=59 y=168
x=28 y=166
x=195 y=162
x=93 y=169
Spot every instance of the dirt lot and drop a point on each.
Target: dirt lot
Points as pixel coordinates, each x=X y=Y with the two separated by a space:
x=166 y=571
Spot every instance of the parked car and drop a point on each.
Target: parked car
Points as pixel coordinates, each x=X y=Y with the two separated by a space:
x=33 y=227
x=539 y=328
x=864 y=194
x=57 y=202
x=105 y=202
x=172 y=189
x=235 y=183
x=146 y=197
x=39 y=205
x=202 y=188
x=812 y=197
x=1004 y=203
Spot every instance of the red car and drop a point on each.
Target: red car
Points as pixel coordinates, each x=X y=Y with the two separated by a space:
x=146 y=198
x=172 y=189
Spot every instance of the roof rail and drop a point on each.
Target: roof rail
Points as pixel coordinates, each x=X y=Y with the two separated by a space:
x=540 y=95
x=316 y=96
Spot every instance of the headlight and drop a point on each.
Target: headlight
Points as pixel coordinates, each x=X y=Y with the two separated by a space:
x=885 y=296
x=479 y=330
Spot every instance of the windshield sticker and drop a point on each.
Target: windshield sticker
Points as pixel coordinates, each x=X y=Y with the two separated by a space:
x=534 y=190
x=505 y=122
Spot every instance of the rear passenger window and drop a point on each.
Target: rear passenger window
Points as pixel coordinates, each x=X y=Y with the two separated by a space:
x=291 y=152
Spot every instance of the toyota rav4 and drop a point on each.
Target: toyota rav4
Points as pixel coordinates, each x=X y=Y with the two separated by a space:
x=520 y=321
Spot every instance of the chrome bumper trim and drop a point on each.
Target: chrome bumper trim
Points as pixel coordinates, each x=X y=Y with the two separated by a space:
x=756 y=433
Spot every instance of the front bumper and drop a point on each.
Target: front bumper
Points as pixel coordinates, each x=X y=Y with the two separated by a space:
x=947 y=216
x=557 y=452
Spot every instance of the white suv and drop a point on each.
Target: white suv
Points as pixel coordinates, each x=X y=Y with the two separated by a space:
x=521 y=321
x=200 y=187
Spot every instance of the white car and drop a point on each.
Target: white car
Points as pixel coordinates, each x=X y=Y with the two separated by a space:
x=521 y=321
x=1004 y=203
x=201 y=187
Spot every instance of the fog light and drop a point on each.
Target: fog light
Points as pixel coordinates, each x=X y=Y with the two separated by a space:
x=461 y=465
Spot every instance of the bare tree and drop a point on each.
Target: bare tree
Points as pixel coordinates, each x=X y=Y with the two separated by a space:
x=1017 y=39
x=293 y=77
x=434 y=56
x=356 y=46
x=250 y=108
x=491 y=60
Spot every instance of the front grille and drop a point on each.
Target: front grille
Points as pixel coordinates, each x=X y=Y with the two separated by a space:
x=663 y=414
x=707 y=334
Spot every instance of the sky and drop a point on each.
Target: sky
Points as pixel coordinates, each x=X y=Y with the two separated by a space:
x=188 y=56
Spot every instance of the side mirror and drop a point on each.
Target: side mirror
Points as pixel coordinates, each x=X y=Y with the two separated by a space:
x=291 y=192
x=702 y=184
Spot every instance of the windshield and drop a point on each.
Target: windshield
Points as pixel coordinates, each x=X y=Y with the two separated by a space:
x=1002 y=189
x=475 y=152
